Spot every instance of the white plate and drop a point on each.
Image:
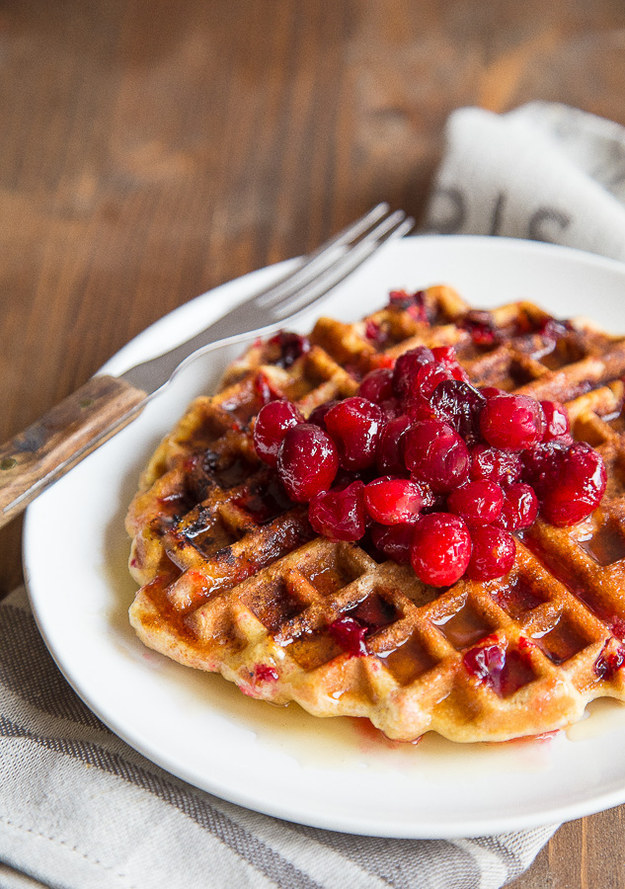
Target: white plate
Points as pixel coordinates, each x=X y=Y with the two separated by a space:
x=327 y=773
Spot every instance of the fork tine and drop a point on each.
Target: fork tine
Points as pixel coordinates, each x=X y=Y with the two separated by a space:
x=314 y=263
x=395 y=226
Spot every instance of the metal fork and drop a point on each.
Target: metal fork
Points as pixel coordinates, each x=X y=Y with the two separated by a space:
x=60 y=439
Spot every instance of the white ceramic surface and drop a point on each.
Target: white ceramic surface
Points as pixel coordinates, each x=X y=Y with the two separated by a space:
x=327 y=773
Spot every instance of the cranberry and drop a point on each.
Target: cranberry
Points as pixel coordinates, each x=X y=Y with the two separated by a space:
x=390 y=454
x=394 y=541
x=418 y=407
x=520 y=507
x=481 y=326
x=557 y=426
x=540 y=465
x=272 y=423
x=355 y=425
x=339 y=515
x=307 y=462
x=413 y=303
x=493 y=553
x=485 y=662
x=377 y=386
x=406 y=368
x=491 y=391
x=435 y=453
x=441 y=548
x=609 y=661
x=478 y=502
x=459 y=404
x=350 y=635
x=495 y=465
x=376 y=333
x=391 y=501
x=512 y=422
x=576 y=486
x=429 y=376
x=446 y=355
x=318 y=415
x=291 y=345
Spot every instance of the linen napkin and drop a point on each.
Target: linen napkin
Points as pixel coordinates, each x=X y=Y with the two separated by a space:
x=79 y=809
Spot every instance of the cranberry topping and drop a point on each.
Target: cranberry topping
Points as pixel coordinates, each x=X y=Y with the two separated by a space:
x=392 y=501
x=394 y=541
x=377 y=386
x=557 y=426
x=446 y=355
x=478 y=502
x=428 y=378
x=436 y=454
x=318 y=415
x=459 y=404
x=576 y=485
x=307 y=462
x=495 y=465
x=413 y=303
x=291 y=345
x=350 y=635
x=520 y=507
x=265 y=673
x=512 y=422
x=339 y=515
x=485 y=662
x=481 y=326
x=390 y=450
x=441 y=548
x=611 y=659
x=493 y=553
x=272 y=423
x=375 y=333
x=407 y=367
x=355 y=425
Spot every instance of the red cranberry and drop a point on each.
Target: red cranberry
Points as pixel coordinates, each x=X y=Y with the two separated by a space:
x=481 y=327
x=355 y=425
x=576 y=486
x=478 y=502
x=429 y=376
x=512 y=422
x=486 y=663
x=611 y=658
x=493 y=553
x=394 y=541
x=318 y=415
x=446 y=355
x=491 y=391
x=441 y=548
x=392 y=501
x=272 y=423
x=291 y=345
x=406 y=368
x=418 y=407
x=377 y=386
x=520 y=507
x=339 y=515
x=390 y=454
x=350 y=635
x=557 y=426
x=307 y=462
x=540 y=465
x=459 y=404
x=495 y=465
x=435 y=453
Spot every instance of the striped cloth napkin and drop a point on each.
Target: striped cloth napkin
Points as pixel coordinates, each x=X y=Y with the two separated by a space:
x=79 y=809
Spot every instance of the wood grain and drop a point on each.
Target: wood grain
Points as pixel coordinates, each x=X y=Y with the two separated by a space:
x=150 y=151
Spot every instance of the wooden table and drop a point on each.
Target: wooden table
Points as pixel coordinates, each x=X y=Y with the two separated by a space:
x=150 y=151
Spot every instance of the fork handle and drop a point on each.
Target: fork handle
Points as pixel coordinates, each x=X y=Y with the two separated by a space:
x=47 y=449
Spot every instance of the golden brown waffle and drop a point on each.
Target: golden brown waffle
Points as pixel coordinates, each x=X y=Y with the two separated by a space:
x=234 y=580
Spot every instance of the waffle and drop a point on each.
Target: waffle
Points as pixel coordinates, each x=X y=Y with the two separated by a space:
x=233 y=579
